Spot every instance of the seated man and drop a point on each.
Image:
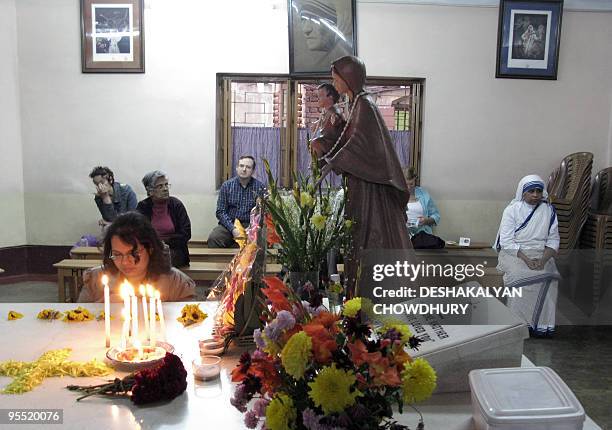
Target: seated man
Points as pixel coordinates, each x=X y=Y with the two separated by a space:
x=133 y=252
x=111 y=197
x=527 y=242
x=237 y=197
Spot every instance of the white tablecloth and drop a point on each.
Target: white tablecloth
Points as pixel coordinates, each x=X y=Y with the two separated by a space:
x=203 y=406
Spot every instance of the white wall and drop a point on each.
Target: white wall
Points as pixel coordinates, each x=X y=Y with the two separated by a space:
x=164 y=118
x=12 y=215
x=481 y=134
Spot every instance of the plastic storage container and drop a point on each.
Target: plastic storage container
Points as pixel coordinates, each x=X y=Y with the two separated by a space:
x=526 y=398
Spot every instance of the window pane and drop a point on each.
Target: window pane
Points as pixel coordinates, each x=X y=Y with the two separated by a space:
x=257 y=121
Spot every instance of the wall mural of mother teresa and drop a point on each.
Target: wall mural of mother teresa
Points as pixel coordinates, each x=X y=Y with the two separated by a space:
x=321 y=31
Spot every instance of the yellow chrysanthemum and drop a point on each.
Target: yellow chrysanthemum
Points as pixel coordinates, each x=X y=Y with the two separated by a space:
x=296 y=354
x=352 y=307
x=400 y=327
x=14 y=315
x=306 y=200
x=280 y=413
x=318 y=221
x=331 y=389
x=418 y=381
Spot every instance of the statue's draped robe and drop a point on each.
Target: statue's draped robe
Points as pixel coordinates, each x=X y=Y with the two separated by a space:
x=377 y=193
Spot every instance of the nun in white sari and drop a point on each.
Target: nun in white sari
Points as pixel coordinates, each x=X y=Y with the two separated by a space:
x=527 y=241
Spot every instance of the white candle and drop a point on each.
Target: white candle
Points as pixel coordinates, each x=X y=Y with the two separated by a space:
x=106 y=309
x=145 y=310
x=138 y=346
x=151 y=292
x=124 y=331
x=125 y=294
x=134 y=315
x=162 y=322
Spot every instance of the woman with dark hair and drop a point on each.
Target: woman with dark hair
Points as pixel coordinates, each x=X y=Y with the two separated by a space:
x=134 y=253
x=167 y=215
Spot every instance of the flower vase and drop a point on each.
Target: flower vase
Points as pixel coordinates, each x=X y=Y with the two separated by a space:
x=298 y=279
x=335 y=300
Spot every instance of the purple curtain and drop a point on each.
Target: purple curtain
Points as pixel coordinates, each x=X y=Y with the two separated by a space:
x=402 y=145
x=400 y=139
x=260 y=142
x=264 y=142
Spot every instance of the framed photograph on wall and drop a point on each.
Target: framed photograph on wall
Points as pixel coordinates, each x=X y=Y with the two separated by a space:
x=528 y=38
x=112 y=36
x=320 y=31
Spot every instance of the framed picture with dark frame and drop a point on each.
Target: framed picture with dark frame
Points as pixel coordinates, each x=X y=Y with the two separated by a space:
x=528 y=38
x=112 y=36
x=320 y=31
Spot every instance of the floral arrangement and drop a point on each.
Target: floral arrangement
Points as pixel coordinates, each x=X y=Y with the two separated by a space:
x=164 y=382
x=191 y=314
x=316 y=370
x=27 y=375
x=14 y=315
x=79 y=314
x=304 y=223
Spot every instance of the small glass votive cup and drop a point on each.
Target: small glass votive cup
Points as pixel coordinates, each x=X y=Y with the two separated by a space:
x=206 y=367
x=214 y=346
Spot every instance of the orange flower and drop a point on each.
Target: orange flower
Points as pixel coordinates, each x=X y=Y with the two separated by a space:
x=327 y=320
x=273 y=236
x=323 y=342
x=381 y=371
x=276 y=292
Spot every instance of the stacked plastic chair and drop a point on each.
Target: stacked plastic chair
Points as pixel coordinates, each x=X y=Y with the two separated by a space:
x=569 y=189
x=597 y=232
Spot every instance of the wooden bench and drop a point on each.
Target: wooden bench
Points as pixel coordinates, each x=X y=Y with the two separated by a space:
x=70 y=274
x=209 y=255
x=198 y=243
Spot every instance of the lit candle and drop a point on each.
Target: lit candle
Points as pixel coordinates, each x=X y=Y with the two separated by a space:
x=134 y=315
x=151 y=292
x=125 y=294
x=145 y=310
x=124 y=331
x=106 y=309
x=138 y=346
x=162 y=322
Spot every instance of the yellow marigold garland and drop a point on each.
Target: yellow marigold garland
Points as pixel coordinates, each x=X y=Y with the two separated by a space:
x=28 y=375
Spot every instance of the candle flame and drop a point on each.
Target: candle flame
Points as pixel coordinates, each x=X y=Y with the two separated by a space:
x=157 y=295
x=105 y=279
x=142 y=290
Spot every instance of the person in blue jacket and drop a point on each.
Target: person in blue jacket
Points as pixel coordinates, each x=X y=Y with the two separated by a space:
x=421 y=210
